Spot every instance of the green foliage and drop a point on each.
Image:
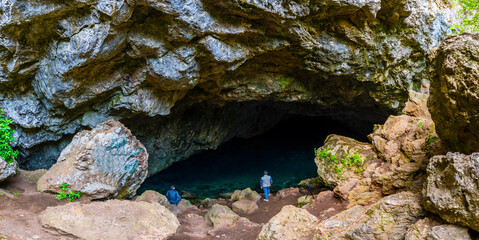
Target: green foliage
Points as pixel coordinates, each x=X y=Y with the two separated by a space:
x=6 y=137
x=72 y=195
x=338 y=164
x=469 y=13
x=431 y=139
x=419 y=124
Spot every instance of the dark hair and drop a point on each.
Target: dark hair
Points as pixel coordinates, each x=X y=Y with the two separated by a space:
x=172 y=186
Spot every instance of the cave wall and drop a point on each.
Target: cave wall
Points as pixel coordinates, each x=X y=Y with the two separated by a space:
x=69 y=65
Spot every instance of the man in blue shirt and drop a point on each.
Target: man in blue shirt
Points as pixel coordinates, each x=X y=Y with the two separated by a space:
x=265 y=183
x=173 y=196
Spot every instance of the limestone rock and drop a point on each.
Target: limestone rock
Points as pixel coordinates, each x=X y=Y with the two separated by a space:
x=33 y=176
x=290 y=223
x=348 y=165
x=452 y=102
x=428 y=229
x=153 y=196
x=389 y=218
x=208 y=202
x=7 y=170
x=244 y=206
x=406 y=143
x=113 y=219
x=303 y=200
x=451 y=190
x=315 y=182
x=106 y=162
x=184 y=205
x=221 y=215
x=420 y=229
x=449 y=231
x=288 y=192
x=245 y=194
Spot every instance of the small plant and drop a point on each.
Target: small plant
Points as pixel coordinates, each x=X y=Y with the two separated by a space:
x=339 y=164
x=72 y=195
x=6 y=138
x=419 y=124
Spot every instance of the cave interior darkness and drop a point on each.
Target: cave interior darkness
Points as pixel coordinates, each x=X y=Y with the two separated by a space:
x=286 y=151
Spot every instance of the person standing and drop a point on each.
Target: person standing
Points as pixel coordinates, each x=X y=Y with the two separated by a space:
x=265 y=183
x=173 y=196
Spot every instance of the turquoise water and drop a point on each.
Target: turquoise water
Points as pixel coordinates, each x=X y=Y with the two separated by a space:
x=286 y=152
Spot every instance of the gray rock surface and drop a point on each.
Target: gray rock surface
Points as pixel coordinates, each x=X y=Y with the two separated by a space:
x=449 y=231
x=106 y=162
x=112 y=220
x=7 y=170
x=69 y=65
x=451 y=188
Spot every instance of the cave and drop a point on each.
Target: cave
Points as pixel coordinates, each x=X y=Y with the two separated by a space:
x=279 y=138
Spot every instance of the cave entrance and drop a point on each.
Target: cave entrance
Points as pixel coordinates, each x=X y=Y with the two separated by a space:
x=285 y=151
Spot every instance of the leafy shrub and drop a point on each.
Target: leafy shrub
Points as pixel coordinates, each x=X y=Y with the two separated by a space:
x=469 y=13
x=72 y=195
x=6 y=137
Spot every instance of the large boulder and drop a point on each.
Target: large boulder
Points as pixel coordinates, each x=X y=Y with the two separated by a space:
x=389 y=218
x=153 y=196
x=453 y=102
x=106 y=162
x=244 y=206
x=347 y=165
x=7 y=170
x=290 y=223
x=405 y=143
x=245 y=194
x=221 y=215
x=113 y=219
x=451 y=189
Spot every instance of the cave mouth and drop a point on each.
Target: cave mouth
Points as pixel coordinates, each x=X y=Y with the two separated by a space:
x=285 y=151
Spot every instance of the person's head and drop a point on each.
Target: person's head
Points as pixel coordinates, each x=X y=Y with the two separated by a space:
x=172 y=187
x=265 y=172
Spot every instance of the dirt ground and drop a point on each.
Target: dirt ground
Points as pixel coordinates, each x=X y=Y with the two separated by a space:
x=19 y=215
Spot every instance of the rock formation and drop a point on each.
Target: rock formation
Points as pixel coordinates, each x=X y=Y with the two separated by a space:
x=245 y=194
x=106 y=162
x=221 y=215
x=244 y=206
x=152 y=196
x=451 y=189
x=7 y=170
x=453 y=98
x=428 y=229
x=290 y=223
x=166 y=68
x=389 y=218
x=405 y=143
x=112 y=220
x=399 y=150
